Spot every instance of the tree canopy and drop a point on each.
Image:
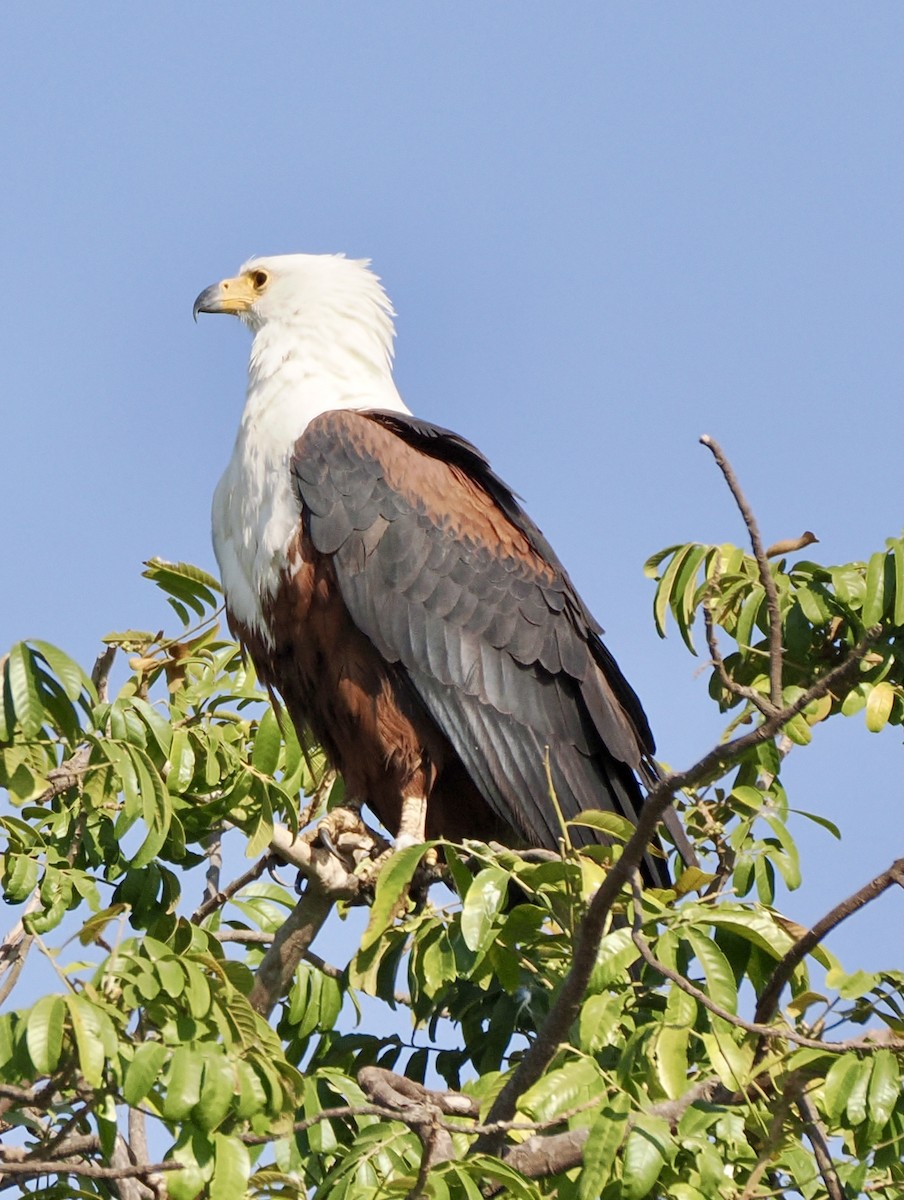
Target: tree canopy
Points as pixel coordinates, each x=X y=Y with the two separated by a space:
x=576 y=1035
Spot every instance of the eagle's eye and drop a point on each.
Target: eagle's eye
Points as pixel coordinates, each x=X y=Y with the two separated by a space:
x=259 y=280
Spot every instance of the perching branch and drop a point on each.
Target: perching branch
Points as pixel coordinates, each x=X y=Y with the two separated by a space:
x=540 y=1157
x=25 y=1168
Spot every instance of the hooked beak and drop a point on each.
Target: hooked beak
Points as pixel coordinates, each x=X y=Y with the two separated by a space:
x=233 y=296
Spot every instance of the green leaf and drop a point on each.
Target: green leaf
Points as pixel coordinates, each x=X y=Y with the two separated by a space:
x=819 y=820
x=798 y=730
x=884 y=1087
x=86 y=1025
x=195 y=1153
x=218 y=1085
x=44 y=1033
x=615 y=826
x=664 y=598
x=651 y=566
x=743 y=632
x=21 y=877
x=599 y=1023
x=646 y=1151
x=183 y=1084
x=155 y=807
x=732 y=1062
x=143 y=1071
x=22 y=675
x=813 y=605
x=838 y=1083
x=603 y=1141
x=720 y=980
x=66 y=670
x=557 y=1091
x=267 y=744
x=898 y=552
x=670 y=1055
x=616 y=953
x=686 y=593
x=181 y=763
x=483 y=903
x=874 y=601
x=232 y=1168
x=692 y=879
x=859 y=1089
x=878 y=706
x=392 y=882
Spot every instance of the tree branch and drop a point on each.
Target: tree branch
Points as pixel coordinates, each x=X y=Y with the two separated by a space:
x=277 y=967
x=213 y=848
x=212 y=903
x=783 y=1033
x=28 y=1167
x=767 y=579
x=768 y=1001
x=816 y=1134
x=757 y=699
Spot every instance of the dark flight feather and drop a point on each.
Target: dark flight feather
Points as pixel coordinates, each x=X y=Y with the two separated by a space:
x=442 y=570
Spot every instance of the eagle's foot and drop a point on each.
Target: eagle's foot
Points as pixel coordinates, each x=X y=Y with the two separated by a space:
x=429 y=871
x=346 y=836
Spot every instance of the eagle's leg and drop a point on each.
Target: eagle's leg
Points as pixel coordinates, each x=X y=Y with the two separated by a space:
x=412 y=823
x=413 y=828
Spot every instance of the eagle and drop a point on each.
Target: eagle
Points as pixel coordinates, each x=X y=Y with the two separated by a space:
x=389 y=586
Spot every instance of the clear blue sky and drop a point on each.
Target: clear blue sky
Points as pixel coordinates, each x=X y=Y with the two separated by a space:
x=607 y=228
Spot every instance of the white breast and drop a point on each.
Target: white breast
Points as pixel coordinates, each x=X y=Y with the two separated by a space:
x=255 y=512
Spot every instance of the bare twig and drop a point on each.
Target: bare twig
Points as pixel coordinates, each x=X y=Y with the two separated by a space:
x=816 y=1134
x=213 y=848
x=84 y=1169
x=422 y=1110
x=757 y=699
x=15 y=947
x=217 y=901
x=100 y=672
x=770 y=1145
x=768 y=1001
x=540 y=1157
x=128 y=1188
x=766 y=577
x=138 y=1144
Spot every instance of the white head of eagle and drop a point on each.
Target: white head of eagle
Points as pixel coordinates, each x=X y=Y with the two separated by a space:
x=388 y=584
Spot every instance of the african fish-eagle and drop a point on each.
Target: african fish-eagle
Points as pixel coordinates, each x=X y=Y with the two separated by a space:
x=389 y=586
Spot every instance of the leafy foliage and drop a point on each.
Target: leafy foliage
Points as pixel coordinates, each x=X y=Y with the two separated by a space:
x=115 y=809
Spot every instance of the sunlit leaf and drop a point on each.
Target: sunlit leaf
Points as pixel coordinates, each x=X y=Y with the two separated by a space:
x=878 y=706
x=44 y=1033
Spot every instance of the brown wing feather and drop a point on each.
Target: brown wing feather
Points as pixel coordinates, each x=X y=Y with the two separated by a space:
x=477 y=623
